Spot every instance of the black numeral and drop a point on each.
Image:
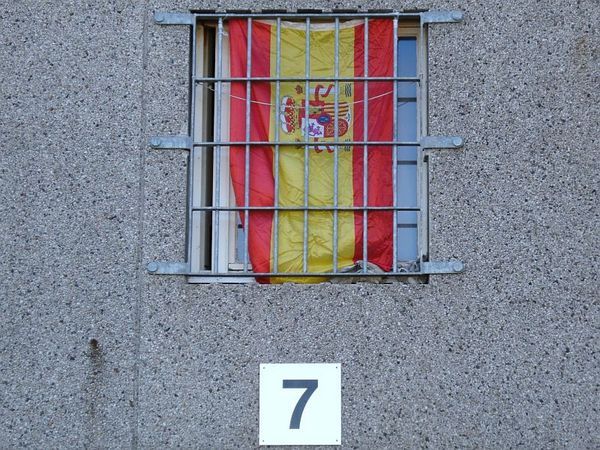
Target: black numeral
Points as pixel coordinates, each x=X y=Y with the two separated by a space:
x=310 y=386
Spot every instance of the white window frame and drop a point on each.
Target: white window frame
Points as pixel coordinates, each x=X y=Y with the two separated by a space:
x=227 y=221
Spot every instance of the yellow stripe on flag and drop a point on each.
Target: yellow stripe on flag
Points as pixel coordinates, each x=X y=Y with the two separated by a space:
x=321 y=160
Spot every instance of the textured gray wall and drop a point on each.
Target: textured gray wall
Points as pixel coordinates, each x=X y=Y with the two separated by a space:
x=504 y=355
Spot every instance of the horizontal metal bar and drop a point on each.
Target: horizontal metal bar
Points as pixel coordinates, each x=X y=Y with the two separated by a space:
x=307 y=143
x=441 y=16
x=168 y=268
x=167 y=18
x=436 y=267
x=304 y=15
x=304 y=208
x=295 y=274
x=171 y=142
x=427 y=268
x=274 y=79
x=441 y=142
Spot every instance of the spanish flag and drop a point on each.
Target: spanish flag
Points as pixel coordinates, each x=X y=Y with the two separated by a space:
x=291 y=126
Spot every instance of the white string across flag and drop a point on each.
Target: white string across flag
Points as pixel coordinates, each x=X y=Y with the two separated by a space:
x=375 y=97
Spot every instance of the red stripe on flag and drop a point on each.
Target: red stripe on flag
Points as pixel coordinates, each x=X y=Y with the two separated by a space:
x=358 y=135
x=380 y=128
x=261 y=185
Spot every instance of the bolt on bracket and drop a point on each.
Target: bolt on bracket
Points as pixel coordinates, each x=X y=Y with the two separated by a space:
x=171 y=142
x=165 y=18
x=441 y=16
x=439 y=142
x=438 y=267
x=168 y=268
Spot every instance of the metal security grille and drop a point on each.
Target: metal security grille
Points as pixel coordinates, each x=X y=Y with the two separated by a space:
x=217 y=246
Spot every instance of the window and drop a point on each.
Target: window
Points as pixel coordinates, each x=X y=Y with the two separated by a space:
x=325 y=116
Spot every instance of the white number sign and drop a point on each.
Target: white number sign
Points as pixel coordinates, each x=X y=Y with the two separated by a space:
x=300 y=404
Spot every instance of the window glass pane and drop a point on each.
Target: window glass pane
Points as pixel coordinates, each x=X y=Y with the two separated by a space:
x=407 y=185
x=407 y=156
x=407 y=244
x=407 y=120
x=407 y=217
x=407 y=90
x=407 y=56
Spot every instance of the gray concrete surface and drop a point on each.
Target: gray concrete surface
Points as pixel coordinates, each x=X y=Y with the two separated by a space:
x=95 y=352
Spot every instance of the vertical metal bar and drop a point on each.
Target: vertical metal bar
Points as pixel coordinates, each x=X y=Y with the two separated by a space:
x=365 y=149
x=191 y=156
x=277 y=112
x=306 y=136
x=247 y=150
x=422 y=214
x=395 y=154
x=336 y=107
x=217 y=149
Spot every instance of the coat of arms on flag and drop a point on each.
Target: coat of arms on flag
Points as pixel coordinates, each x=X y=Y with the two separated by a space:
x=319 y=124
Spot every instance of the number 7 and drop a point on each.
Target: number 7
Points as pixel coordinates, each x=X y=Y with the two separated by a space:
x=310 y=386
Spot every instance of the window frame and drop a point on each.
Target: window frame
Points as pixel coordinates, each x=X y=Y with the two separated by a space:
x=226 y=261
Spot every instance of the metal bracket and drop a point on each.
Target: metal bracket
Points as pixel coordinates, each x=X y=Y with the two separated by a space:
x=436 y=267
x=441 y=142
x=441 y=16
x=171 y=142
x=165 y=18
x=168 y=268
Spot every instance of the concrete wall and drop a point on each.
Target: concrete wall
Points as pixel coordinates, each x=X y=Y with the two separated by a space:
x=96 y=352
